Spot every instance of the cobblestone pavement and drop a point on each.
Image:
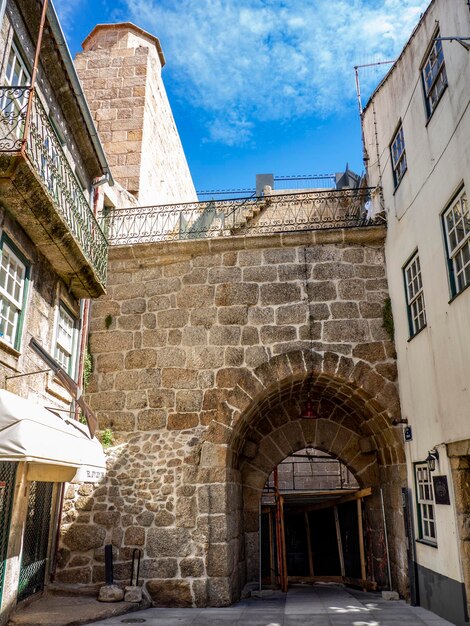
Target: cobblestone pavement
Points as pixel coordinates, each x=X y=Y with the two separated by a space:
x=326 y=605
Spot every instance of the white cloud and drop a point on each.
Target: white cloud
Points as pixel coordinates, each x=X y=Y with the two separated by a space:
x=257 y=60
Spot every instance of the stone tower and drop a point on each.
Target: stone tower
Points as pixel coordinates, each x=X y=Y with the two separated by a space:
x=120 y=68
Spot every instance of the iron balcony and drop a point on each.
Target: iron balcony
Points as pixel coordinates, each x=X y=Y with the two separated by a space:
x=39 y=188
x=271 y=213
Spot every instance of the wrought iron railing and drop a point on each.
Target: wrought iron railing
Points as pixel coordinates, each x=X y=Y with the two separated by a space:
x=40 y=144
x=277 y=213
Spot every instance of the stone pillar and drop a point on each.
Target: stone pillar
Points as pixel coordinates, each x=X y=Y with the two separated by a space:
x=120 y=68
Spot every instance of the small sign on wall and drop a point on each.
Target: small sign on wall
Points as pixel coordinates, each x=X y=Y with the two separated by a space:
x=441 y=490
x=408 y=433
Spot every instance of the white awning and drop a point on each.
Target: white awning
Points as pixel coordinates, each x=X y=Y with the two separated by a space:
x=57 y=448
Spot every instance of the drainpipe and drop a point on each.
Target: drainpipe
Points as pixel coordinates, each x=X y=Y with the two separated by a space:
x=33 y=75
x=77 y=89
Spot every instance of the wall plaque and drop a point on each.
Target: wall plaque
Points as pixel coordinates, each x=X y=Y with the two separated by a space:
x=441 y=490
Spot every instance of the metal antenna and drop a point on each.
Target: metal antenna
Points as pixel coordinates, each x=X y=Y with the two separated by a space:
x=365 y=156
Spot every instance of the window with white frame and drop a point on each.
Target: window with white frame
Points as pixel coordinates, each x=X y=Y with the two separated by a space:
x=414 y=295
x=65 y=339
x=397 y=150
x=17 y=74
x=434 y=75
x=457 y=232
x=12 y=291
x=426 y=508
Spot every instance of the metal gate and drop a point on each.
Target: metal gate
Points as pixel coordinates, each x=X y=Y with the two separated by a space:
x=36 y=539
x=7 y=488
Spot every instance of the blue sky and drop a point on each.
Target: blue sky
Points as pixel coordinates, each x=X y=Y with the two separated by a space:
x=260 y=86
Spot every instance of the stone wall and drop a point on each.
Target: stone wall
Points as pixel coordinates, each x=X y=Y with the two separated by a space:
x=204 y=355
x=120 y=68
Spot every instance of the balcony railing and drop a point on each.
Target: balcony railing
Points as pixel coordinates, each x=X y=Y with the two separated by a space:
x=42 y=148
x=280 y=213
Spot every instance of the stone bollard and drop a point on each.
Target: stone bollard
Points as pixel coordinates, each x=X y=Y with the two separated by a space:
x=111 y=593
x=133 y=594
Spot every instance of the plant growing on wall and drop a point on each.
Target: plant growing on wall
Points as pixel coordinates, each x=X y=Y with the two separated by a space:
x=87 y=368
x=106 y=437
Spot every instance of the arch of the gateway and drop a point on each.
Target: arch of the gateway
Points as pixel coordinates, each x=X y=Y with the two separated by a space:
x=205 y=354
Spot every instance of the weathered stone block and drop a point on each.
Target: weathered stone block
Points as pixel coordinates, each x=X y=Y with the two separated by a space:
x=154 y=338
x=206 y=358
x=370 y=351
x=170 y=357
x=111 y=341
x=277 y=256
x=260 y=274
x=225 y=275
x=170 y=593
x=74 y=576
x=179 y=378
x=192 y=567
x=151 y=419
x=344 y=310
x=107 y=518
x=189 y=400
x=322 y=291
x=280 y=294
x=172 y=318
x=346 y=330
x=353 y=289
x=168 y=542
x=194 y=336
x=230 y=295
x=130 y=307
x=159 y=568
x=203 y=317
x=81 y=537
x=195 y=296
x=140 y=359
x=224 y=335
x=273 y=334
x=233 y=315
x=258 y=316
x=134 y=536
x=182 y=421
x=186 y=511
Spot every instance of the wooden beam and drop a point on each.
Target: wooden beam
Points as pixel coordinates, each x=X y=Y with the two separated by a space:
x=362 y=493
x=272 y=568
x=360 y=531
x=340 y=543
x=309 y=544
x=284 y=580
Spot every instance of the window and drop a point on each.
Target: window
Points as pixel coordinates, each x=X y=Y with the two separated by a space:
x=17 y=73
x=13 y=274
x=14 y=102
x=457 y=232
x=414 y=295
x=397 y=150
x=65 y=339
x=425 y=497
x=434 y=75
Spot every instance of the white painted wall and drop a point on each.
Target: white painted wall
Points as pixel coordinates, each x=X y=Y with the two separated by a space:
x=434 y=366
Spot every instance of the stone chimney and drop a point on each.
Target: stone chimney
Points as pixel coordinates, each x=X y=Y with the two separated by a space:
x=120 y=69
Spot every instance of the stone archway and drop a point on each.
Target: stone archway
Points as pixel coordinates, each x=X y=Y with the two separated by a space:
x=351 y=424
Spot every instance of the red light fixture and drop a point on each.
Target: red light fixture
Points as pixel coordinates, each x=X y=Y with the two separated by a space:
x=308 y=412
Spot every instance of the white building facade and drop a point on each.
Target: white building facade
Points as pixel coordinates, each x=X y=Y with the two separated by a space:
x=416 y=130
